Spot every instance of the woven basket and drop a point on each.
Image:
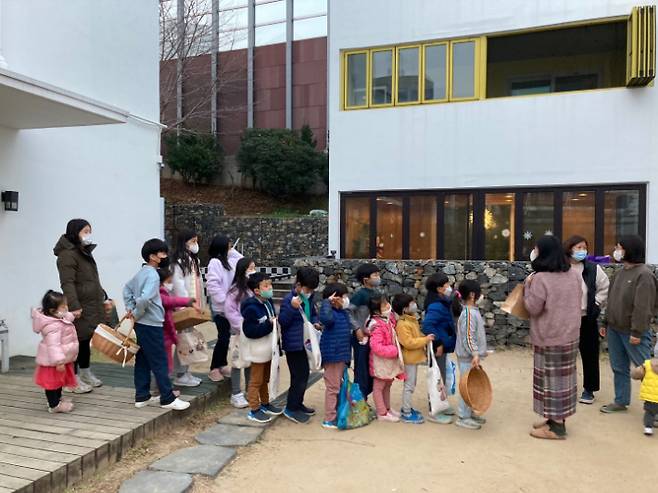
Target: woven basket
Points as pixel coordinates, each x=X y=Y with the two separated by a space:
x=113 y=344
x=475 y=389
x=189 y=317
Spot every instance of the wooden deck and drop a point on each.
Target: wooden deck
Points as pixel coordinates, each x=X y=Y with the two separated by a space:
x=42 y=452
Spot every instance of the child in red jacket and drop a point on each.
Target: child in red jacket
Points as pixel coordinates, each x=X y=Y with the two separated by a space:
x=170 y=303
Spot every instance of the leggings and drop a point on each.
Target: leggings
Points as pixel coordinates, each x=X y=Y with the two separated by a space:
x=54 y=396
x=235 y=380
x=84 y=355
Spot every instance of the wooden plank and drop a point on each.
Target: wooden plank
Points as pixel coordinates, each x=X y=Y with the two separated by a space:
x=101 y=395
x=5 y=490
x=22 y=472
x=48 y=455
x=65 y=418
x=13 y=482
x=44 y=445
x=30 y=462
x=50 y=437
x=28 y=424
x=75 y=423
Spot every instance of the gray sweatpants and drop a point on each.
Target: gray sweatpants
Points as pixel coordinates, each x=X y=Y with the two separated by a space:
x=409 y=387
x=236 y=373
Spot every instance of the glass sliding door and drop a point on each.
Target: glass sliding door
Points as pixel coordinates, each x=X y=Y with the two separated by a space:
x=357 y=227
x=578 y=215
x=389 y=227
x=538 y=219
x=422 y=227
x=458 y=226
x=499 y=226
x=621 y=217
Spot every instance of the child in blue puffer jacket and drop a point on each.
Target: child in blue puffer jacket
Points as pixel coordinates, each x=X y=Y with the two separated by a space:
x=335 y=346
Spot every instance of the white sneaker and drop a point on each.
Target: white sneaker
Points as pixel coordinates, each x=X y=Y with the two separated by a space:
x=239 y=401
x=648 y=431
x=388 y=417
x=89 y=378
x=177 y=405
x=187 y=380
x=141 y=404
x=82 y=387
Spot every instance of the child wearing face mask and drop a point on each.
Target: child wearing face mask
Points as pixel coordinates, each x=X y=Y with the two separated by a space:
x=57 y=351
x=335 y=346
x=471 y=346
x=413 y=343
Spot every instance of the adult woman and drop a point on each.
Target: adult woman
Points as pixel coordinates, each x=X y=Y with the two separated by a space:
x=187 y=284
x=221 y=270
x=78 y=276
x=630 y=309
x=595 y=293
x=553 y=296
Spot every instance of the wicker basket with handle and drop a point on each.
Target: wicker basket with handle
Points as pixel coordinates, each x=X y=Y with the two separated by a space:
x=113 y=344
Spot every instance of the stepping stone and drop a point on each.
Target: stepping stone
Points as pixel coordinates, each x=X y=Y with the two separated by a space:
x=239 y=418
x=157 y=482
x=204 y=459
x=229 y=435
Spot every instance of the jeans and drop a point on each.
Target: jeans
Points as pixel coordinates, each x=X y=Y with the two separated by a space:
x=622 y=353
x=223 y=339
x=463 y=411
x=299 y=371
x=236 y=373
x=409 y=387
x=333 y=376
x=650 y=413
x=151 y=357
x=381 y=394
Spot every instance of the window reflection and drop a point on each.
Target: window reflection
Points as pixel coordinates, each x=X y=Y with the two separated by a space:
x=499 y=226
x=357 y=227
x=458 y=219
x=578 y=214
x=422 y=227
x=389 y=227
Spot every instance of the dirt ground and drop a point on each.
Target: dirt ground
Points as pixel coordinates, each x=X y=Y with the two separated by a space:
x=602 y=454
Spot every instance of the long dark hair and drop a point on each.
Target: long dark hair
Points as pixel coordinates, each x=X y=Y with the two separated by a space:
x=240 y=280
x=73 y=229
x=551 y=256
x=187 y=260
x=219 y=250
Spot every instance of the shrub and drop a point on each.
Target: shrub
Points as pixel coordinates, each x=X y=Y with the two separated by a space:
x=198 y=158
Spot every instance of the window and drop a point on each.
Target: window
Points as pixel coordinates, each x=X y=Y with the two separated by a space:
x=578 y=215
x=270 y=34
x=621 y=216
x=408 y=75
x=458 y=230
x=463 y=70
x=522 y=88
x=435 y=73
x=305 y=8
x=641 y=46
x=269 y=13
x=381 y=78
x=499 y=226
x=389 y=228
x=538 y=219
x=422 y=227
x=357 y=227
x=313 y=27
x=356 y=74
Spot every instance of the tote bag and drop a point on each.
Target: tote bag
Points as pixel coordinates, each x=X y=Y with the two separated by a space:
x=436 y=391
x=275 y=370
x=514 y=304
x=312 y=344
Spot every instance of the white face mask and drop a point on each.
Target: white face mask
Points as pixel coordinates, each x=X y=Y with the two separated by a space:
x=169 y=286
x=618 y=255
x=533 y=255
x=413 y=309
x=250 y=273
x=448 y=292
x=193 y=248
x=86 y=240
x=60 y=314
x=346 y=302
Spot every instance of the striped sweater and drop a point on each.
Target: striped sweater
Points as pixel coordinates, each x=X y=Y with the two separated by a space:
x=471 y=334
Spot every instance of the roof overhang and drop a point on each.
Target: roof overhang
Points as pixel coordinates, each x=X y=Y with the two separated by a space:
x=26 y=103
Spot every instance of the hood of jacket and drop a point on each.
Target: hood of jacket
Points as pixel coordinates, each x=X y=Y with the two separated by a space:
x=41 y=322
x=65 y=244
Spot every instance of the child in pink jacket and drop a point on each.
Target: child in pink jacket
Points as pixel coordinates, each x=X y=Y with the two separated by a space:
x=57 y=350
x=170 y=303
x=385 y=364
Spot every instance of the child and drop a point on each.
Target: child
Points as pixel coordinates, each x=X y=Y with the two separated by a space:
x=57 y=351
x=384 y=358
x=170 y=303
x=141 y=296
x=292 y=334
x=440 y=322
x=238 y=292
x=335 y=346
x=648 y=373
x=259 y=316
x=471 y=346
x=368 y=276
x=413 y=344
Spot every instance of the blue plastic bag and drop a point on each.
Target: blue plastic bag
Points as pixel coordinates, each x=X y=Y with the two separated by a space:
x=352 y=410
x=451 y=377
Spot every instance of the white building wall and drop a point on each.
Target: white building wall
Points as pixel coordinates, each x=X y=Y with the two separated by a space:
x=592 y=137
x=106 y=50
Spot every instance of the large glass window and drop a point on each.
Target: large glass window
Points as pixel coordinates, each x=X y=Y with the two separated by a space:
x=422 y=227
x=463 y=70
x=458 y=232
x=499 y=226
x=357 y=227
x=538 y=219
x=578 y=214
x=435 y=77
x=270 y=34
x=381 y=78
x=357 y=77
x=389 y=227
x=408 y=68
x=621 y=217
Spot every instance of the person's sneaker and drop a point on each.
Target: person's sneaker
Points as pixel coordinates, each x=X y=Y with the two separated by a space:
x=449 y=412
x=62 y=407
x=479 y=419
x=258 y=416
x=187 y=380
x=613 y=407
x=468 y=423
x=141 y=404
x=309 y=411
x=271 y=410
x=215 y=375
x=238 y=401
x=394 y=413
x=412 y=418
x=329 y=425
x=89 y=378
x=587 y=397
x=176 y=405
x=225 y=371
x=388 y=417
x=442 y=419
x=647 y=430
x=296 y=416
x=82 y=387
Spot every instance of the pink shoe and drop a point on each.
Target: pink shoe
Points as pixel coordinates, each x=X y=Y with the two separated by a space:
x=225 y=371
x=394 y=413
x=215 y=375
x=388 y=417
x=62 y=407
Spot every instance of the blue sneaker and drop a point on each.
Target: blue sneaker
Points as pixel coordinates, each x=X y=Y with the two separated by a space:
x=412 y=417
x=309 y=411
x=271 y=410
x=258 y=416
x=587 y=397
x=330 y=425
x=296 y=416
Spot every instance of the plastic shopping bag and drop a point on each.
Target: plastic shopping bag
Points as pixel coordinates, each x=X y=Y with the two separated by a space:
x=451 y=376
x=352 y=410
x=312 y=344
x=234 y=355
x=275 y=363
x=436 y=391
x=191 y=347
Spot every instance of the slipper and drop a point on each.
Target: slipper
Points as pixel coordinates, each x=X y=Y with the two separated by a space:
x=545 y=433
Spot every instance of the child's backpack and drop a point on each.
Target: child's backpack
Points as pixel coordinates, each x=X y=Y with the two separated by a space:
x=352 y=410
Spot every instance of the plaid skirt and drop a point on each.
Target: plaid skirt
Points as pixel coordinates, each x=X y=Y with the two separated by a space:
x=555 y=381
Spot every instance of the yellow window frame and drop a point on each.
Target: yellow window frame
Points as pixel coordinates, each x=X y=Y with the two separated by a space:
x=423 y=68
x=398 y=49
x=345 y=78
x=476 y=69
x=390 y=49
